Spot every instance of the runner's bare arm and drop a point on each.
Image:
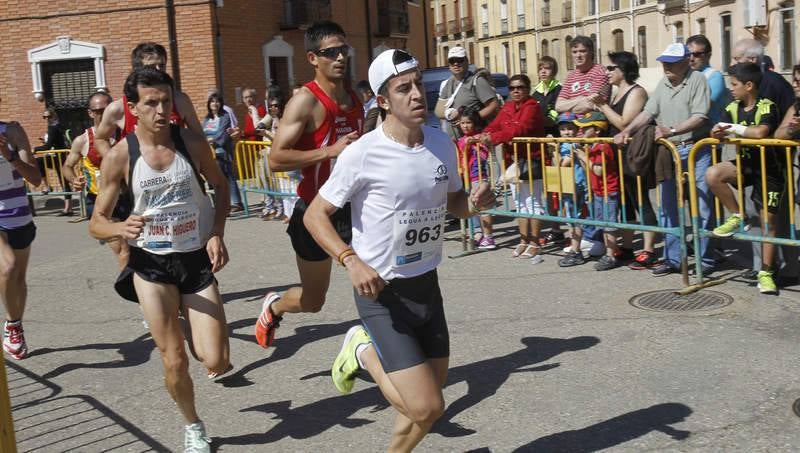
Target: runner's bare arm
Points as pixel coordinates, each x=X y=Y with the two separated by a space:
x=317 y=221
x=113 y=115
x=114 y=169
x=186 y=110
x=298 y=114
x=73 y=158
x=26 y=164
x=197 y=146
x=463 y=205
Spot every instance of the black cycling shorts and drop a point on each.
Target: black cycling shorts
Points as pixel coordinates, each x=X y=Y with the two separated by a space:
x=190 y=271
x=304 y=244
x=20 y=238
x=406 y=323
x=775 y=177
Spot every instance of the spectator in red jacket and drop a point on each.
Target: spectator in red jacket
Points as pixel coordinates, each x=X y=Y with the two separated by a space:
x=522 y=116
x=253 y=115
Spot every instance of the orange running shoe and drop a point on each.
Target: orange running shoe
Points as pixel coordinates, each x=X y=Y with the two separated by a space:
x=267 y=322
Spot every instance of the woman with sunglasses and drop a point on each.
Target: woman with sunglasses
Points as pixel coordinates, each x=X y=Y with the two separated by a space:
x=55 y=139
x=626 y=103
x=521 y=116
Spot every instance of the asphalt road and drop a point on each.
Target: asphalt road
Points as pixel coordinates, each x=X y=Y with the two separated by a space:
x=543 y=359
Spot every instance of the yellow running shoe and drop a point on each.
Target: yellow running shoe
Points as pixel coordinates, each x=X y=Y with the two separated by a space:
x=766 y=284
x=730 y=226
x=345 y=367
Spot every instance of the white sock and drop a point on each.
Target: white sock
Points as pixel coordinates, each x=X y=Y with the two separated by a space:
x=359 y=349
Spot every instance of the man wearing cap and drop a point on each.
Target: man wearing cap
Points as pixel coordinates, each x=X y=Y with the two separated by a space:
x=401 y=180
x=465 y=90
x=679 y=105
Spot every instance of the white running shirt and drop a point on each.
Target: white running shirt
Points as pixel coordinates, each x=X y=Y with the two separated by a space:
x=398 y=199
x=179 y=216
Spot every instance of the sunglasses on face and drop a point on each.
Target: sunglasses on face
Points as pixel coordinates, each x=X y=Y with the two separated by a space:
x=517 y=87
x=611 y=68
x=697 y=54
x=453 y=61
x=333 y=52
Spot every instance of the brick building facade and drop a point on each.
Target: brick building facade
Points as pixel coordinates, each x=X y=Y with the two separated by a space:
x=62 y=50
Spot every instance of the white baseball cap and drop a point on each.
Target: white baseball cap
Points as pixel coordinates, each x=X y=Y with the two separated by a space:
x=674 y=53
x=389 y=63
x=457 y=52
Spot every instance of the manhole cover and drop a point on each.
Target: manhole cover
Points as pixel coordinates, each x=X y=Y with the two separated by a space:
x=668 y=300
x=796 y=407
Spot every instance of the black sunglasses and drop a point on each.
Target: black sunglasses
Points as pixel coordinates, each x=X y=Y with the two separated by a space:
x=610 y=68
x=456 y=60
x=697 y=54
x=333 y=52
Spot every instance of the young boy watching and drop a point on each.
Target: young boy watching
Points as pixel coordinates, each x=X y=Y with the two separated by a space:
x=573 y=203
x=749 y=116
x=604 y=184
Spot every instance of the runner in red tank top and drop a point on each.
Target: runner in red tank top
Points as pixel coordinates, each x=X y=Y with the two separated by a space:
x=319 y=122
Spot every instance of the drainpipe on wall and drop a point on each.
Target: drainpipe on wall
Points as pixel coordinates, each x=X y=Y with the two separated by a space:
x=427 y=43
x=218 y=57
x=368 y=13
x=173 y=43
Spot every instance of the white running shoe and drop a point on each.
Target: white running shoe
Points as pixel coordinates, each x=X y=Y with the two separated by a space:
x=195 y=439
x=14 y=340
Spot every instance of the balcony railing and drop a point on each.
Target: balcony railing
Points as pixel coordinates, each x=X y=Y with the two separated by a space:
x=466 y=24
x=298 y=13
x=441 y=30
x=393 y=18
x=453 y=27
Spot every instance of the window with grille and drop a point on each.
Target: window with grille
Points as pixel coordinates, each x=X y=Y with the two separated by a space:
x=67 y=86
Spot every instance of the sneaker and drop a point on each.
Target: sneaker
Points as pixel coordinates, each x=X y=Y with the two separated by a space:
x=766 y=284
x=730 y=227
x=663 y=269
x=551 y=237
x=487 y=243
x=573 y=258
x=345 y=366
x=267 y=322
x=195 y=439
x=624 y=254
x=606 y=263
x=14 y=340
x=644 y=260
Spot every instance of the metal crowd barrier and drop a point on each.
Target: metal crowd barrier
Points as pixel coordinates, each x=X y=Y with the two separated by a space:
x=254 y=174
x=787 y=147
x=560 y=180
x=53 y=178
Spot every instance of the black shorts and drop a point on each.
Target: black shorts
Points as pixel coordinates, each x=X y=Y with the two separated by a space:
x=304 y=244
x=776 y=178
x=22 y=237
x=190 y=271
x=122 y=210
x=406 y=323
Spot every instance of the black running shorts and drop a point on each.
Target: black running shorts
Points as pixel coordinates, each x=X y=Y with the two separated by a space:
x=406 y=323
x=190 y=271
x=304 y=244
x=20 y=238
x=775 y=177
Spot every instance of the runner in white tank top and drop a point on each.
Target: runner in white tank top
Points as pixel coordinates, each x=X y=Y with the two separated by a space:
x=17 y=231
x=400 y=179
x=175 y=237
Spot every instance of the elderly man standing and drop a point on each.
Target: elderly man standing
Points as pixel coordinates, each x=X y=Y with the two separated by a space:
x=465 y=90
x=679 y=105
x=585 y=81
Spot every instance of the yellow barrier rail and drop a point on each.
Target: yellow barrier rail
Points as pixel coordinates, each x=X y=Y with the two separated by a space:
x=53 y=182
x=764 y=146
x=561 y=181
x=254 y=174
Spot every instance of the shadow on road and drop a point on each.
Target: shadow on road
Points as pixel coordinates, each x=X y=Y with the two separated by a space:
x=283 y=348
x=484 y=379
x=45 y=419
x=134 y=353
x=615 y=431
